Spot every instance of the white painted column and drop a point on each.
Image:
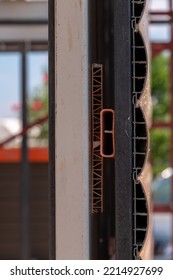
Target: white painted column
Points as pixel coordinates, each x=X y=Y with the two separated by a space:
x=72 y=134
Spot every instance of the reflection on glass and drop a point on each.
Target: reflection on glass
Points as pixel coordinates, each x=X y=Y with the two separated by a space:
x=162 y=231
x=10 y=106
x=37 y=63
x=159 y=32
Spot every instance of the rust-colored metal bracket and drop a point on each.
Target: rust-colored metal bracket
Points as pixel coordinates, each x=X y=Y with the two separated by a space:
x=97 y=159
x=107 y=139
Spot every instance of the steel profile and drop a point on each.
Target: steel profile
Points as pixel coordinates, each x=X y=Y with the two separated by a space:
x=96 y=158
x=141 y=101
x=145 y=180
x=140 y=218
x=138 y=8
x=107 y=136
x=71 y=129
x=140 y=140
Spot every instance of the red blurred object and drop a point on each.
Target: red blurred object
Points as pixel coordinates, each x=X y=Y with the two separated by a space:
x=14 y=155
x=45 y=78
x=37 y=105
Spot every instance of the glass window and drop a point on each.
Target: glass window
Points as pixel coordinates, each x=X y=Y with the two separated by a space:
x=10 y=94
x=37 y=69
x=9 y=84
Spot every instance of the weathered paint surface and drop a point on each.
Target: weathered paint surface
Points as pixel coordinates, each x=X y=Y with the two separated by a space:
x=72 y=170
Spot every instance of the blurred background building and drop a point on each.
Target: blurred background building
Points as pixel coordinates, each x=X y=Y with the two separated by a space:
x=161 y=37
x=24 y=230
x=23 y=102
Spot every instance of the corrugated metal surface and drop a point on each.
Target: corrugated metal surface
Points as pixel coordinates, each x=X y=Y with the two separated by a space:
x=10 y=211
x=141 y=125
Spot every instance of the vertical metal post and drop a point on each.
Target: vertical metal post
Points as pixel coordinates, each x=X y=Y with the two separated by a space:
x=25 y=186
x=101 y=52
x=71 y=129
x=52 y=243
x=123 y=112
